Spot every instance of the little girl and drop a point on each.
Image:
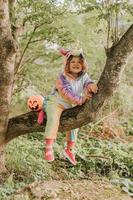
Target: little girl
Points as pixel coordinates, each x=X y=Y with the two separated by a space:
x=73 y=87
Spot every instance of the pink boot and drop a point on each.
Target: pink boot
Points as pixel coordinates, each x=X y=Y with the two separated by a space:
x=68 y=152
x=70 y=156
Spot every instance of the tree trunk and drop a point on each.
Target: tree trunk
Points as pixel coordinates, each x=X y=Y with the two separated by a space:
x=2 y=159
x=7 y=60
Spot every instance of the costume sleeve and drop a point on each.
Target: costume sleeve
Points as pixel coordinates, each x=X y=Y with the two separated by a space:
x=86 y=81
x=65 y=90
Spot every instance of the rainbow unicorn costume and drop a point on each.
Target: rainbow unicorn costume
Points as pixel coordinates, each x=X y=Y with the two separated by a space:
x=68 y=92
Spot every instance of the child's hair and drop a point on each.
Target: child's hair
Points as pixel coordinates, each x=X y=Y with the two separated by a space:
x=67 y=67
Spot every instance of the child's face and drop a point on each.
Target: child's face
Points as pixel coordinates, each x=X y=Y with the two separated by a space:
x=75 y=65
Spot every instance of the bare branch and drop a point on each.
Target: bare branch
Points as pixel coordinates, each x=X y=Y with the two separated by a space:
x=26 y=47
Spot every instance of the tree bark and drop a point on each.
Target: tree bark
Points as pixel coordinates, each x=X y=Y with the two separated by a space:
x=7 y=60
x=117 y=57
x=2 y=159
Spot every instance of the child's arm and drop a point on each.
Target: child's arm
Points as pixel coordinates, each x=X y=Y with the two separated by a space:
x=63 y=88
x=89 y=85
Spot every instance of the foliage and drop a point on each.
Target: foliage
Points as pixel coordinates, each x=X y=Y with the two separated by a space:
x=37 y=25
x=115 y=15
x=95 y=157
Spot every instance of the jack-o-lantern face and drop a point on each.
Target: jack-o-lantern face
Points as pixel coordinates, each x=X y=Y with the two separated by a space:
x=35 y=103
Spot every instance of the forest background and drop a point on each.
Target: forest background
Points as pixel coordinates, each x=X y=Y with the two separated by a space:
x=105 y=147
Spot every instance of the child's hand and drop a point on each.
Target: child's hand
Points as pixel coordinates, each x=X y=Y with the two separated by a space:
x=92 y=88
x=87 y=97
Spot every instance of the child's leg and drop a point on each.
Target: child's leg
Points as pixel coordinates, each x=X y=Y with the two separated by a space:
x=53 y=111
x=53 y=120
x=71 y=137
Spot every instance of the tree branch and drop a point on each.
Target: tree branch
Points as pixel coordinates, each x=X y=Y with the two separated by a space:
x=26 y=47
x=81 y=115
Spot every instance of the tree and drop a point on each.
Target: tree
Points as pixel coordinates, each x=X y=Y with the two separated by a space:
x=7 y=60
x=117 y=57
x=34 y=24
x=11 y=55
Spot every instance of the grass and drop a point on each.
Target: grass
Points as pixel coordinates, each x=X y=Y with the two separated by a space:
x=96 y=158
